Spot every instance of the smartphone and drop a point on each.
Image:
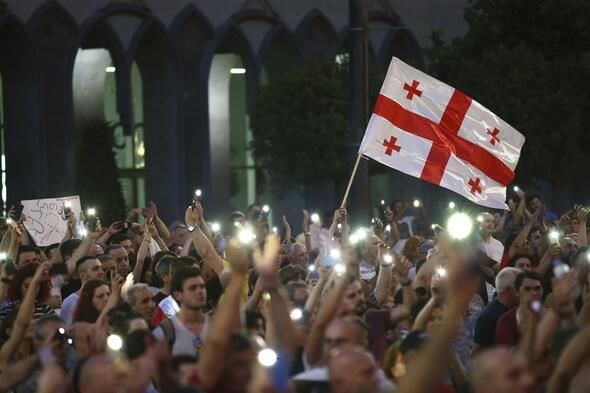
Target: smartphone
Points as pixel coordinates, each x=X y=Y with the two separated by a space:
x=58 y=269
x=92 y=220
x=9 y=265
x=536 y=307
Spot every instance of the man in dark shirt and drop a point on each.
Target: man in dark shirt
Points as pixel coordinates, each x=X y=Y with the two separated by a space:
x=529 y=288
x=485 y=328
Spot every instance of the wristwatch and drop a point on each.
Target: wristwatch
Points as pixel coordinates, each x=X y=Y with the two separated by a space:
x=191 y=228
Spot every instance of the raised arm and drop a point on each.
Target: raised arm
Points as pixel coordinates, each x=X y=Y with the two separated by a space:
x=573 y=356
x=381 y=291
x=24 y=315
x=114 y=299
x=227 y=320
x=144 y=249
x=202 y=243
x=523 y=234
x=306 y=232
x=582 y=219
x=84 y=248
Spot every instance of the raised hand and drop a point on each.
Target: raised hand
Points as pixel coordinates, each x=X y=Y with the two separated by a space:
x=191 y=217
x=115 y=227
x=305 y=220
x=42 y=273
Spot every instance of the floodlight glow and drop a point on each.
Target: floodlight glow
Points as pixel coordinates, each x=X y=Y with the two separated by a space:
x=91 y=211
x=339 y=226
x=215 y=227
x=387 y=259
x=315 y=218
x=296 y=314
x=361 y=234
x=9 y=221
x=516 y=189
x=459 y=226
x=275 y=230
x=237 y=70
x=246 y=236
x=554 y=236
x=266 y=296
x=417 y=203
x=335 y=253
x=353 y=239
x=115 y=342
x=382 y=202
x=267 y=357
x=441 y=272
x=452 y=205
x=433 y=226
x=266 y=208
x=387 y=228
x=110 y=69
x=67 y=204
x=83 y=232
x=479 y=218
x=311 y=268
x=3 y=256
x=340 y=269
x=198 y=192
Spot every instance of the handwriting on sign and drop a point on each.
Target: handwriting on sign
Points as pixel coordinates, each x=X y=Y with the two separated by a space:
x=47 y=219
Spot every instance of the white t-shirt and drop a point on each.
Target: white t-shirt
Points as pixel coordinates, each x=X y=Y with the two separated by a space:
x=185 y=342
x=494 y=249
x=68 y=307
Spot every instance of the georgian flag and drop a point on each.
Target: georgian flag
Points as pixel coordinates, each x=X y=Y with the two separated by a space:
x=427 y=129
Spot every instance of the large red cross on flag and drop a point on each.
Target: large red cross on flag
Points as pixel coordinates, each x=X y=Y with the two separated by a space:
x=427 y=129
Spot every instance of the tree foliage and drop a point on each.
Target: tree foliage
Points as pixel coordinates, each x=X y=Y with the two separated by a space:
x=301 y=123
x=97 y=174
x=529 y=62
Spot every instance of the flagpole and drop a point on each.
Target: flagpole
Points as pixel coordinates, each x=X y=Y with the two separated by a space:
x=356 y=165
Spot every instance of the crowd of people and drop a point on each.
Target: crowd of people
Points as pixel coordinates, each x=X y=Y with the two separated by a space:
x=400 y=305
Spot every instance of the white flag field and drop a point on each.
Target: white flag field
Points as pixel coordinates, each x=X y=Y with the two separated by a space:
x=427 y=129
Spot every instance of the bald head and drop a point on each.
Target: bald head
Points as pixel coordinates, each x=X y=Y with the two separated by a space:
x=500 y=370
x=352 y=369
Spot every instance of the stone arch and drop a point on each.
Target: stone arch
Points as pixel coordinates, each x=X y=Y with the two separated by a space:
x=157 y=61
x=192 y=34
x=316 y=35
x=24 y=133
x=55 y=33
x=279 y=52
x=402 y=44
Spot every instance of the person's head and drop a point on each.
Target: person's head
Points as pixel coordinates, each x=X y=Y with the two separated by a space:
x=68 y=247
x=505 y=286
x=163 y=269
x=297 y=292
x=140 y=298
x=353 y=302
x=298 y=255
x=344 y=331
x=109 y=267
x=521 y=261
x=486 y=224
x=96 y=250
x=93 y=299
x=370 y=249
x=239 y=363
x=580 y=263
x=27 y=254
x=292 y=273
x=528 y=286
x=124 y=320
x=533 y=202
x=89 y=268
x=101 y=374
x=352 y=369
x=535 y=238
x=125 y=242
x=21 y=281
x=255 y=324
x=568 y=247
x=179 y=232
x=188 y=288
x=52 y=326
x=500 y=370
x=409 y=348
x=183 y=367
x=121 y=258
x=436 y=319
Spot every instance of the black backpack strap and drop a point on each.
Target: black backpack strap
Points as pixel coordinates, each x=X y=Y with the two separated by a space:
x=169 y=332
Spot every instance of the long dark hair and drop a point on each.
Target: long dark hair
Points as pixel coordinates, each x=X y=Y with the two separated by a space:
x=14 y=293
x=85 y=310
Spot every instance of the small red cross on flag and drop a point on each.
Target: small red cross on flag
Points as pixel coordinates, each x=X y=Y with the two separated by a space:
x=391 y=146
x=442 y=136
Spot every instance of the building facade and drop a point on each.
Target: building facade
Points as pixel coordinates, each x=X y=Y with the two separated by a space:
x=177 y=79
